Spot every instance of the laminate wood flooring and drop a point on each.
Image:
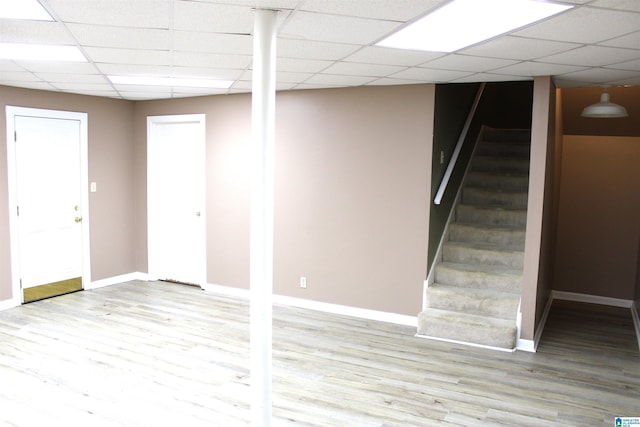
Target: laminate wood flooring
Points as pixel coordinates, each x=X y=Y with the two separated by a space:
x=161 y=354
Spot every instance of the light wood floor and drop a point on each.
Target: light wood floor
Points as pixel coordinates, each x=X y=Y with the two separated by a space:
x=160 y=354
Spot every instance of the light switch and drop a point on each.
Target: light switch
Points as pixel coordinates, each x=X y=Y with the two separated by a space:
x=94 y=187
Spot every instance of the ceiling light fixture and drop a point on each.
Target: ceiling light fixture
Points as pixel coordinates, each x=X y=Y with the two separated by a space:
x=604 y=109
x=462 y=23
x=171 y=82
x=23 y=9
x=40 y=52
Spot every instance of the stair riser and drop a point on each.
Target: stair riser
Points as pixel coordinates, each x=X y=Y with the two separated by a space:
x=503 y=149
x=490 y=197
x=501 y=307
x=497 y=217
x=501 y=337
x=509 y=239
x=478 y=280
x=464 y=255
x=507 y=182
x=500 y=164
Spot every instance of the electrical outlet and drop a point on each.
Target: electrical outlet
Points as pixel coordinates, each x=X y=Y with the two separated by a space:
x=303 y=282
x=441 y=157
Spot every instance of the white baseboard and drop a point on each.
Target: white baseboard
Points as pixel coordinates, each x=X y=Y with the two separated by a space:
x=470 y=344
x=636 y=321
x=526 y=345
x=592 y=299
x=10 y=303
x=363 y=313
x=345 y=310
x=227 y=290
x=115 y=280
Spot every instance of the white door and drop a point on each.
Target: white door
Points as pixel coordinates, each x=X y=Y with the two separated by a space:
x=176 y=195
x=47 y=158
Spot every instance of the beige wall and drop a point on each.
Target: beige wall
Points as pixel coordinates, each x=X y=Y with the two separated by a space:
x=352 y=192
x=110 y=166
x=597 y=241
x=538 y=263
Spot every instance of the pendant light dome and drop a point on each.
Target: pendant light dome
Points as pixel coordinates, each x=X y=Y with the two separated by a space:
x=605 y=108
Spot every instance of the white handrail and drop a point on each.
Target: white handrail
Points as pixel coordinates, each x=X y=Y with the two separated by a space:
x=456 y=151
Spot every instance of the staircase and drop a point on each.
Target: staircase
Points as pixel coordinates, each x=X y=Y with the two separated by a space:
x=477 y=284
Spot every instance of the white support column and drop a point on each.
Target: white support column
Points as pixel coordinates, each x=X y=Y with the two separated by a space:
x=261 y=219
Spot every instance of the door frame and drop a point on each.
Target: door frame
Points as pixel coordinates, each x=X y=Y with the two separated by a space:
x=154 y=200
x=11 y=113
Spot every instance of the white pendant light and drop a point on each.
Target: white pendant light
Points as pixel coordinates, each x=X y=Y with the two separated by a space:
x=604 y=109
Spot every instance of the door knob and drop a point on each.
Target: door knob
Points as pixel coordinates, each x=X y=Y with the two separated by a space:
x=198 y=213
x=78 y=219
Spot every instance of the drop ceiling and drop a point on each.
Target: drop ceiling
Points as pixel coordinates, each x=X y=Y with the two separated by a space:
x=321 y=44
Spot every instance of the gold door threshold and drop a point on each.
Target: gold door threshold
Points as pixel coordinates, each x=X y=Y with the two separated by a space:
x=54 y=289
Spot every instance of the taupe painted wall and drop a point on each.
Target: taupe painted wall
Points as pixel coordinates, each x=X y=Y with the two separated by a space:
x=598 y=228
x=353 y=175
x=538 y=262
x=111 y=165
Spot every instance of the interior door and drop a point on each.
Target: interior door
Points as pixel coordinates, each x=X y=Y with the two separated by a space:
x=176 y=185
x=49 y=203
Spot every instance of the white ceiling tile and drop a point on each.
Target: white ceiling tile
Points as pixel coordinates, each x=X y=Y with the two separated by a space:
x=630 y=41
x=132 y=69
x=301 y=65
x=430 y=75
x=72 y=78
x=330 y=79
x=211 y=17
x=39 y=85
x=593 y=56
x=398 y=10
x=8 y=65
x=210 y=60
x=334 y=28
x=530 y=69
x=629 y=65
x=191 y=41
x=468 y=63
x=265 y=4
x=313 y=86
x=308 y=49
x=19 y=31
x=92 y=92
x=489 y=77
x=599 y=75
x=518 y=48
x=287 y=77
x=129 y=56
x=126 y=38
x=355 y=69
x=18 y=76
x=389 y=56
x=59 y=67
x=584 y=25
x=84 y=87
x=626 y=81
x=387 y=81
x=214 y=73
x=631 y=5
x=127 y=13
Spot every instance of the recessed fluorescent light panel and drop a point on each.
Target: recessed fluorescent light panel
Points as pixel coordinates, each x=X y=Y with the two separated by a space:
x=23 y=9
x=462 y=23
x=171 y=82
x=40 y=52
